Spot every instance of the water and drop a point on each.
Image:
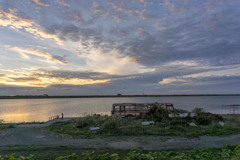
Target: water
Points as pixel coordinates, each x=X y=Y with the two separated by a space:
x=29 y=110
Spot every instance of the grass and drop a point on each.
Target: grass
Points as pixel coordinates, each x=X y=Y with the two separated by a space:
x=232 y=117
x=117 y=126
x=4 y=127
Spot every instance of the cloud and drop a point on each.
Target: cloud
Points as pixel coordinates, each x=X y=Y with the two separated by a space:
x=63 y=3
x=41 y=3
x=68 y=74
x=41 y=78
x=39 y=33
x=24 y=79
x=108 y=62
x=17 y=20
x=40 y=53
x=183 y=63
x=203 y=76
x=166 y=43
x=170 y=6
x=183 y=34
x=12 y=19
x=171 y=80
x=123 y=11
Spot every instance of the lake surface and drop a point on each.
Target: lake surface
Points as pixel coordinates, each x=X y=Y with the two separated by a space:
x=28 y=110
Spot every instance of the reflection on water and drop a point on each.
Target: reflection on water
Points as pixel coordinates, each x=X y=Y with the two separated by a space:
x=23 y=117
x=27 y=110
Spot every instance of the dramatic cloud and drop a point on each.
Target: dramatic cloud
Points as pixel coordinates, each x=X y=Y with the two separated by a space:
x=113 y=64
x=138 y=46
x=41 y=78
x=191 y=35
x=40 y=53
x=17 y=20
x=219 y=74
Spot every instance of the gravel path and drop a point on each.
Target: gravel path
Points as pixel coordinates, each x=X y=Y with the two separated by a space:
x=36 y=135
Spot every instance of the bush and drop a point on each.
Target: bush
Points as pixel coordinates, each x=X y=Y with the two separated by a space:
x=179 y=122
x=206 y=118
x=111 y=125
x=157 y=113
x=86 y=122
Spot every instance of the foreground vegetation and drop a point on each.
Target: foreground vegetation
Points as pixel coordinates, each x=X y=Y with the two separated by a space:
x=4 y=126
x=226 y=153
x=206 y=124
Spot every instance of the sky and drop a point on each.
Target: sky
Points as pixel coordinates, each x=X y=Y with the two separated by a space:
x=100 y=47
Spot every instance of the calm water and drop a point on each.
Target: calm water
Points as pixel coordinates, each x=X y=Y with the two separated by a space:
x=27 y=110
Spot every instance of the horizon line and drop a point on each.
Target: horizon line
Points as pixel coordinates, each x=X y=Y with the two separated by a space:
x=105 y=96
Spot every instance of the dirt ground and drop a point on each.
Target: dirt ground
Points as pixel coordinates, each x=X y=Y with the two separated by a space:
x=25 y=135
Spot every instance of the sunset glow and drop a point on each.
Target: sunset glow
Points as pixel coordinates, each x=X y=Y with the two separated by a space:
x=107 y=47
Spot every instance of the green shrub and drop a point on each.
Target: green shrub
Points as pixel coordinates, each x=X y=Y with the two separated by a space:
x=14 y=156
x=110 y=127
x=69 y=157
x=87 y=121
x=178 y=122
x=206 y=118
x=157 y=113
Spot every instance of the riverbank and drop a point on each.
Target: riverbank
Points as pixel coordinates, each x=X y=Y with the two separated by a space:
x=29 y=136
x=23 y=135
x=110 y=96
x=35 y=138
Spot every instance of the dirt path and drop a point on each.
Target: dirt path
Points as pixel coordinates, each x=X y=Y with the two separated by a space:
x=36 y=135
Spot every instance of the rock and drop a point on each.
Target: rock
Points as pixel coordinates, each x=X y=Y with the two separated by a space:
x=192 y=124
x=183 y=115
x=171 y=115
x=94 y=128
x=147 y=123
x=221 y=123
x=192 y=115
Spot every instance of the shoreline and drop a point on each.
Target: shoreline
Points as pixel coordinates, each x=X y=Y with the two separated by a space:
x=112 y=96
x=72 y=118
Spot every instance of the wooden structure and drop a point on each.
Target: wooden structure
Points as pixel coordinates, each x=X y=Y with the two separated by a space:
x=136 y=109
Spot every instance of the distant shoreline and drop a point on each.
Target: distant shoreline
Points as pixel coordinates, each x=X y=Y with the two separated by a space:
x=111 y=96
